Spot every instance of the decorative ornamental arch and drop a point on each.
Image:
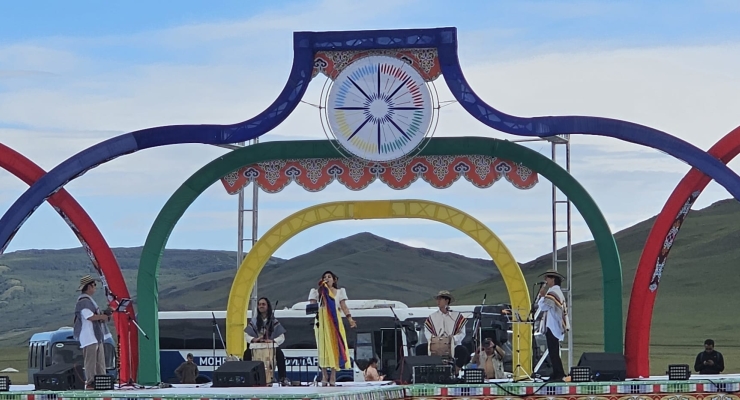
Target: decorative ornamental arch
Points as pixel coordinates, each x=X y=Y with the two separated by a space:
x=309 y=217
x=655 y=255
x=186 y=194
x=94 y=243
x=436 y=50
x=298 y=222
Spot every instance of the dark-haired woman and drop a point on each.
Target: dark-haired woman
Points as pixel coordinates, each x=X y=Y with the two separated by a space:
x=331 y=339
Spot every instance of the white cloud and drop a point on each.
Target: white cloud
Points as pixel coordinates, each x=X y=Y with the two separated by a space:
x=59 y=98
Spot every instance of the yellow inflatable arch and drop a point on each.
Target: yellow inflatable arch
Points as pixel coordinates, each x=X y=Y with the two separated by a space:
x=236 y=313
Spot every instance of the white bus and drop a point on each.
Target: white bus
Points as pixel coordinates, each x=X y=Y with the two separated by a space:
x=183 y=332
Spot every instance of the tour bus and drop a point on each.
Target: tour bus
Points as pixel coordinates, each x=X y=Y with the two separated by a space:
x=378 y=335
x=48 y=348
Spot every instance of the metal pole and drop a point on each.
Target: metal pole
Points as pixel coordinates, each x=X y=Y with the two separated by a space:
x=569 y=263
x=255 y=203
x=554 y=194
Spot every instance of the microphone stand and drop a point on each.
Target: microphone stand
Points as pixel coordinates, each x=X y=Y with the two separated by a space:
x=396 y=326
x=477 y=339
x=213 y=333
x=531 y=317
x=272 y=341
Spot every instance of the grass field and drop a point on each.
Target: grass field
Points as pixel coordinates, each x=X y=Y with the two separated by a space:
x=15 y=357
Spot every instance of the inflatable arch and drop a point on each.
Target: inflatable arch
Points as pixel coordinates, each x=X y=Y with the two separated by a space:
x=306 y=45
x=275 y=237
x=655 y=254
x=195 y=185
x=92 y=240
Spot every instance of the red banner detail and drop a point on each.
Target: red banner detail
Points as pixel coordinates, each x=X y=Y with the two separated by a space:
x=331 y=63
x=439 y=171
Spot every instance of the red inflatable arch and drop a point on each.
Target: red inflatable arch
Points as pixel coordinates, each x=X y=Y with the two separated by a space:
x=655 y=254
x=97 y=248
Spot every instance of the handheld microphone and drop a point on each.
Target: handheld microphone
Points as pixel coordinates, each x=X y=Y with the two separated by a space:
x=541 y=283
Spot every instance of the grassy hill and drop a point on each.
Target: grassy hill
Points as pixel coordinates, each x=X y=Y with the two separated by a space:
x=697 y=297
x=43 y=282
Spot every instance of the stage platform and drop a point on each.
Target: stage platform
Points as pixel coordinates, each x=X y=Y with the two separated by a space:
x=709 y=387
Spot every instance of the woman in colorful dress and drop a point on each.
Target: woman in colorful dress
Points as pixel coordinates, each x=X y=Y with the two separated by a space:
x=331 y=339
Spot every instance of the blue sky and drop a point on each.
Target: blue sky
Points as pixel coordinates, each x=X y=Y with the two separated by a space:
x=74 y=74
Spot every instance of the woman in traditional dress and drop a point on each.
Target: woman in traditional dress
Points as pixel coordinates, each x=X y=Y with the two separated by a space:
x=331 y=340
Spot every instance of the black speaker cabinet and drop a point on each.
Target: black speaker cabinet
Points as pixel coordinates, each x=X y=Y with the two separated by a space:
x=405 y=369
x=60 y=377
x=240 y=374
x=605 y=366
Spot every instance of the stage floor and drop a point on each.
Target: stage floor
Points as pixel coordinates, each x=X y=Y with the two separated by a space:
x=699 y=387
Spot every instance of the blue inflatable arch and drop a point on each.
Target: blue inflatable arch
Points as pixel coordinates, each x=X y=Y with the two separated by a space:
x=305 y=46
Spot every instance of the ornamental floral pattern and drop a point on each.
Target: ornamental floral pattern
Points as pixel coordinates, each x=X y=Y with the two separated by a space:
x=439 y=171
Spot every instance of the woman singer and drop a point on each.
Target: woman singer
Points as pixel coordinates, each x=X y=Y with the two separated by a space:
x=331 y=339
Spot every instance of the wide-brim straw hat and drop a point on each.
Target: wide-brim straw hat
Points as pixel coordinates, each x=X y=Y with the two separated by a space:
x=445 y=293
x=552 y=272
x=85 y=280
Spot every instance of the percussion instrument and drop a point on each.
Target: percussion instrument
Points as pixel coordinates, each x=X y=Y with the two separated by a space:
x=440 y=346
x=264 y=352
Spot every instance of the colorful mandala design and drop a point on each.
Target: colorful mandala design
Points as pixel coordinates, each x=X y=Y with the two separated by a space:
x=379 y=108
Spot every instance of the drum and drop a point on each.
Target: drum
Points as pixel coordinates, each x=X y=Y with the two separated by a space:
x=264 y=352
x=440 y=346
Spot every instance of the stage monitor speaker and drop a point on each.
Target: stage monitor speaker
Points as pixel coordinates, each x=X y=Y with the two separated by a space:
x=240 y=374
x=60 y=377
x=605 y=366
x=405 y=368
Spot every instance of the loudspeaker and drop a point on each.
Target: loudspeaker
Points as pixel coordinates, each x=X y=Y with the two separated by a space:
x=605 y=366
x=60 y=377
x=240 y=374
x=405 y=368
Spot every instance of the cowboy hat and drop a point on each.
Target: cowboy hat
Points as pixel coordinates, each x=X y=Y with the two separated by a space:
x=445 y=293
x=552 y=272
x=85 y=280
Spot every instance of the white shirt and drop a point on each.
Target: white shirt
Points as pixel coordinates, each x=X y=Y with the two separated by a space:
x=341 y=295
x=444 y=325
x=551 y=321
x=87 y=333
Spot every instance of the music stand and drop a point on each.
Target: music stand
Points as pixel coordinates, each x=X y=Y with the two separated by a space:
x=123 y=304
x=313 y=308
x=519 y=321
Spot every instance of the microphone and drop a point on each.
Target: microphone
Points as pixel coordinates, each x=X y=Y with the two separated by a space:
x=541 y=283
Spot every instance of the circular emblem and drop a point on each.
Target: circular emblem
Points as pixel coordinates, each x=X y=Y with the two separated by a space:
x=379 y=108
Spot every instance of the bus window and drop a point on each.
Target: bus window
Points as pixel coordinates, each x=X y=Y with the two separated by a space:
x=66 y=352
x=177 y=334
x=31 y=351
x=299 y=333
x=110 y=356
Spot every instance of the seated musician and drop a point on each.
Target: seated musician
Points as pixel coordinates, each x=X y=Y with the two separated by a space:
x=265 y=328
x=491 y=359
x=445 y=323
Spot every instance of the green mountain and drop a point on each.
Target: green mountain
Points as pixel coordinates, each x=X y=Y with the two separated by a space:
x=696 y=300
x=43 y=282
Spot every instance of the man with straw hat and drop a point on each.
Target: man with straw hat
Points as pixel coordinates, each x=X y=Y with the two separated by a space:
x=90 y=330
x=554 y=321
x=445 y=325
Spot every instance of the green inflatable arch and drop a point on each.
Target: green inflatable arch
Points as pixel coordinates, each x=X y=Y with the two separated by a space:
x=147 y=287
